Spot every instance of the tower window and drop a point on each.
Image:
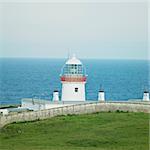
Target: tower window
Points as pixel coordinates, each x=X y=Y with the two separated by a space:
x=76 y=89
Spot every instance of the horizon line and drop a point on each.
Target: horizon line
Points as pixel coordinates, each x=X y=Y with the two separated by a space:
x=15 y=57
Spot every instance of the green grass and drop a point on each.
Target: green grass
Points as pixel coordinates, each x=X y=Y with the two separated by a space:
x=101 y=131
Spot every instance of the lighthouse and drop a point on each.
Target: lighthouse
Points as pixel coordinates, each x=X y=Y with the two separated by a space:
x=73 y=79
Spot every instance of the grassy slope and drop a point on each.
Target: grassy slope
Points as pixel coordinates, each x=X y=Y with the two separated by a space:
x=102 y=131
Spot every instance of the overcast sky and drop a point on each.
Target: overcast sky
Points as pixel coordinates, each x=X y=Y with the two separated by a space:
x=91 y=30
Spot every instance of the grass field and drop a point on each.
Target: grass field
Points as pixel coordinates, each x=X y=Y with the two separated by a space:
x=101 y=131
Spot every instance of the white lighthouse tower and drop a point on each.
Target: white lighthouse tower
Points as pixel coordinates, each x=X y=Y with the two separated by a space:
x=73 y=79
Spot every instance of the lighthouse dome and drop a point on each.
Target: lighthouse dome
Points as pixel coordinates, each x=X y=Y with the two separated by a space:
x=73 y=67
x=73 y=60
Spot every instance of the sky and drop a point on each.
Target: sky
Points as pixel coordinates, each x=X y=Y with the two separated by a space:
x=103 y=30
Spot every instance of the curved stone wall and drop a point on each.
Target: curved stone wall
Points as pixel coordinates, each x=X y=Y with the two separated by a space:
x=76 y=109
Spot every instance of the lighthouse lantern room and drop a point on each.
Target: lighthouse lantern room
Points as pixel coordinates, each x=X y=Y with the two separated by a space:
x=73 y=79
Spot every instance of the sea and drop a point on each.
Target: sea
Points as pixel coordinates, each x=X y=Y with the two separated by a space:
x=39 y=77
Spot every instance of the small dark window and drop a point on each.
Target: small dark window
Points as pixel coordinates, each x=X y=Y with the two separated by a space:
x=76 y=89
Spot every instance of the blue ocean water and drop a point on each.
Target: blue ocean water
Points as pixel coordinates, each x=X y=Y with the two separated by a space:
x=121 y=79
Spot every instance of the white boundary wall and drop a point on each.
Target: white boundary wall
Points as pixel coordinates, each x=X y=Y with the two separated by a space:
x=76 y=109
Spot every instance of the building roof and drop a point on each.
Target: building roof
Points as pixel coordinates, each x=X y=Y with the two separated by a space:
x=74 y=60
x=35 y=101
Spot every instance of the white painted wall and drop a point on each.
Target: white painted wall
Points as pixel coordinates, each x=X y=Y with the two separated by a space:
x=4 y=111
x=49 y=106
x=69 y=94
x=32 y=106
